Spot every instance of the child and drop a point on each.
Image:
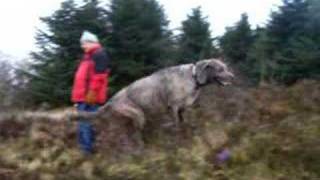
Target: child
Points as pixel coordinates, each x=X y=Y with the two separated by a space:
x=90 y=86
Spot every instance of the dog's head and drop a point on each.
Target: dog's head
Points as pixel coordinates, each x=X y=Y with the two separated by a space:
x=211 y=71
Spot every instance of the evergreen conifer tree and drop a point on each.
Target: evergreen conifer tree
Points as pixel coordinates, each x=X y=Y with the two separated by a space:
x=195 y=40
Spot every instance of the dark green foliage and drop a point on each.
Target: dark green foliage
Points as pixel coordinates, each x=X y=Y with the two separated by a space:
x=288 y=49
x=195 y=41
x=284 y=30
x=258 y=67
x=140 y=39
x=236 y=43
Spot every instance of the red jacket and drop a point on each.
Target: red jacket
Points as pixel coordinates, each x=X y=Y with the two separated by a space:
x=92 y=75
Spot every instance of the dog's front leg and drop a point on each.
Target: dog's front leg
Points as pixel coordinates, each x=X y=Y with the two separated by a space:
x=177 y=115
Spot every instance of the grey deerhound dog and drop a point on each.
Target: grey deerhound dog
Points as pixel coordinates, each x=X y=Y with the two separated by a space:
x=169 y=90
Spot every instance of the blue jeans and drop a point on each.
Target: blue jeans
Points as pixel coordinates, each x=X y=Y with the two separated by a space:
x=85 y=129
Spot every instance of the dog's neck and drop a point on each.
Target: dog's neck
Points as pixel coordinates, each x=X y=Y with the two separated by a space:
x=194 y=75
x=194 y=70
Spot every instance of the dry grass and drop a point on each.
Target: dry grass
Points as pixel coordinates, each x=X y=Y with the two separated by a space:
x=273 y=134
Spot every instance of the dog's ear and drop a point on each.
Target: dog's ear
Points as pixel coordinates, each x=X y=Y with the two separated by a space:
x=201 y=72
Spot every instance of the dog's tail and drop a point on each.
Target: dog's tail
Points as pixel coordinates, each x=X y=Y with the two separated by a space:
x=67 y=115
x=76 y=116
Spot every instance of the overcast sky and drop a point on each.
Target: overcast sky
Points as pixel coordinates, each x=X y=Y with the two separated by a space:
x=20 y=18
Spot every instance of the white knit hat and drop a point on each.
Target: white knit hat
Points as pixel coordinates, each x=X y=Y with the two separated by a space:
x=88 y=37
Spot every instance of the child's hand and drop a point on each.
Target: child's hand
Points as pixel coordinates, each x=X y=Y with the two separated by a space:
x=91 y=97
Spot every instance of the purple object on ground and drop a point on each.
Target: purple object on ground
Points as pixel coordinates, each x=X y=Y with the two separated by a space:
x=223 y=156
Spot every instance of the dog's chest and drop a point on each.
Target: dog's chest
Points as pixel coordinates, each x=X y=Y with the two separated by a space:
x=183 y=86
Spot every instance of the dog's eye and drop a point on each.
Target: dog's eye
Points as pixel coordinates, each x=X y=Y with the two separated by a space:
x=220 y=69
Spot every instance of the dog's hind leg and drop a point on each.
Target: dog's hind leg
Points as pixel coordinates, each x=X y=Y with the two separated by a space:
x=137 y=115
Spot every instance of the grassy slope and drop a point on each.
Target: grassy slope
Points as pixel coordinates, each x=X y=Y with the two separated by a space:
x=272 y=132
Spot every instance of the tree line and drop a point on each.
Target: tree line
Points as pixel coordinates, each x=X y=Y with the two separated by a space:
x=139 y=40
